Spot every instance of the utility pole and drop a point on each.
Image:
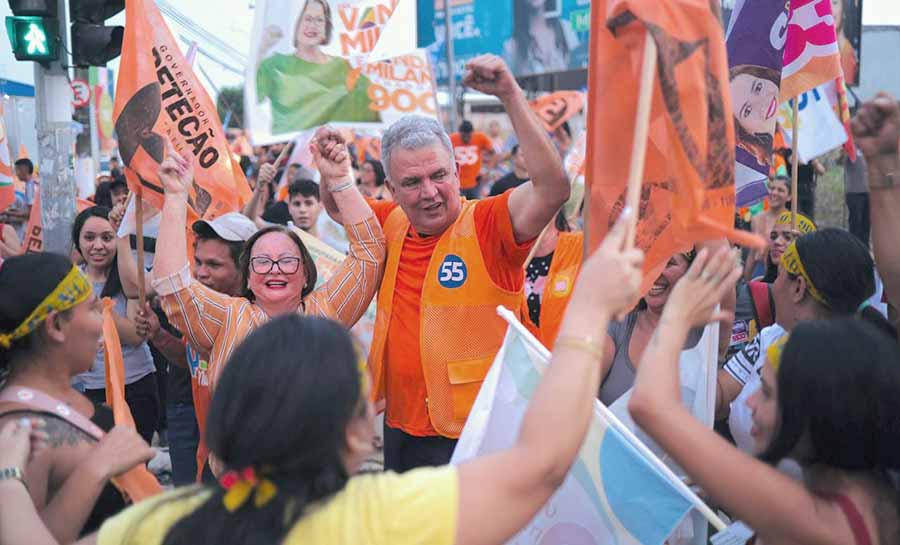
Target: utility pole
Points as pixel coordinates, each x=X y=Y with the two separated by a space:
x=53 y=105
x=451 y=74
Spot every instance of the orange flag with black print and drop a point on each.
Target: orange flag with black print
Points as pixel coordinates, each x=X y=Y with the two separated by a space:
x=556 y=108
x=34 y=230
x=159 y=97
x=137 y=482
x=687 y=193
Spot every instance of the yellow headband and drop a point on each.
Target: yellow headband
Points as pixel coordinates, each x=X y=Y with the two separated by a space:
x=72 y=290
x=804 y=224
x=773 y=354
x=792 y=264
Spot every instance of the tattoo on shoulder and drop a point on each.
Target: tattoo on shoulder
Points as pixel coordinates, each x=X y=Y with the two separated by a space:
x=61 y=433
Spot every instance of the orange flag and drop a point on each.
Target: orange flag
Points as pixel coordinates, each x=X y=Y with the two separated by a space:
x=23 y=152
x=158 y=96
x=687 y=193
x=556 y=108
x=138 y=482
x=7 y=188
x=34 y=230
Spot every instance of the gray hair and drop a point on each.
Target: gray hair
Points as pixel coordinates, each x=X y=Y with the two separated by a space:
x=413 y=132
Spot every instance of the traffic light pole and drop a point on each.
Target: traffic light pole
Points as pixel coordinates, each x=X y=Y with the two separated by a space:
x=53 y=105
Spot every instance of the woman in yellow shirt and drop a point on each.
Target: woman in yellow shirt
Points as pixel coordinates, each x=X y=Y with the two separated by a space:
x=291 y=417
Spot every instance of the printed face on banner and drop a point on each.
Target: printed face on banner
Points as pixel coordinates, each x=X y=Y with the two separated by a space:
x=756 y=37
x=311 y=68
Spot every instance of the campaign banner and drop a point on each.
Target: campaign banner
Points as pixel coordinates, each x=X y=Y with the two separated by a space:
x=327 y=260
x=7 y=188
x=755 y=40
x=311 y=65
x=819 y=128
x=551 y=37
x=102 y=81
x=811 y=53
x=848 y=26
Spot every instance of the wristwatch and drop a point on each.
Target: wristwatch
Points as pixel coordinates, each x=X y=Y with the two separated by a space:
x=13 y=473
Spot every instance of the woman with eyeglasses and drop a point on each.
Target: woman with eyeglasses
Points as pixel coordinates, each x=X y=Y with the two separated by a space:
x=307 y=87
x=279 y=275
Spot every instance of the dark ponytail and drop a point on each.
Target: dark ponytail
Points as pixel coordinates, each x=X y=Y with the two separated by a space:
x=282 y=407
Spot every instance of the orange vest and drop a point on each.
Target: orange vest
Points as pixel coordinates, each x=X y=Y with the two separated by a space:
x=564 y=268
x=459 y=331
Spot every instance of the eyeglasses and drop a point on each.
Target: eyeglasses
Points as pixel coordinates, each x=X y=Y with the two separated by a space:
x=264 y=265
x=309 y=19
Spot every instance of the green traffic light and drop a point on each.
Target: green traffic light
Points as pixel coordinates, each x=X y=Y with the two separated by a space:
x=33 y=38
x=37 y=40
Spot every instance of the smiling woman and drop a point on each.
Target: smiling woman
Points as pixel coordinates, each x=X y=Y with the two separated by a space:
x=630 y=336
x=754 y=98
x=279 y=275
x=95 y=239
x=308 y=87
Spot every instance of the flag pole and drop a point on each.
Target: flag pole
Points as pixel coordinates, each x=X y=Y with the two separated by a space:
x=795 y=160
x=617 y=424
x=639 y=144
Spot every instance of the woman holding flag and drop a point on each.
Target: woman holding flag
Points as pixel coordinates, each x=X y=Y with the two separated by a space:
x=279 y=273
x=94 y=237
x=828 y=400
x=49 y=333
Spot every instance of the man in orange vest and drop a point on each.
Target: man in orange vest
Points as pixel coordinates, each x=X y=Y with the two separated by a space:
x=450 y=263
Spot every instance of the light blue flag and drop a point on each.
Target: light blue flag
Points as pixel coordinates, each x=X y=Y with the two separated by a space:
x=616 y=493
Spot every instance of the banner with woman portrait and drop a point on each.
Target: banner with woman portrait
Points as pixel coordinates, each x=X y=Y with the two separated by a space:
x=308 y=67
x=755 y=39
x=533 y=36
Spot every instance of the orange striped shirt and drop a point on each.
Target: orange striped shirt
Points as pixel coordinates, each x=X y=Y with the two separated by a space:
x=216 y=323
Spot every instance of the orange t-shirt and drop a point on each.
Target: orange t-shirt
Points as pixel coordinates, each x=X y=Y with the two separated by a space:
x=469 y=157
x=504 y=259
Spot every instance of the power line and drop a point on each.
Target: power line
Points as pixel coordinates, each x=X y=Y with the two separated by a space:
x=201 y=33
x=211 y=56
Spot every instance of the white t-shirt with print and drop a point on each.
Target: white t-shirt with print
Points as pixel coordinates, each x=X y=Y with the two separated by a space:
x=745 y=367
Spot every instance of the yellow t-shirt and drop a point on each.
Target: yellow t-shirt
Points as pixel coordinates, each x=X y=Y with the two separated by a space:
x=417 y=507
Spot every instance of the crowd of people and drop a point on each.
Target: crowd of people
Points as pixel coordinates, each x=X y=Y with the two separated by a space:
x=241 y=359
